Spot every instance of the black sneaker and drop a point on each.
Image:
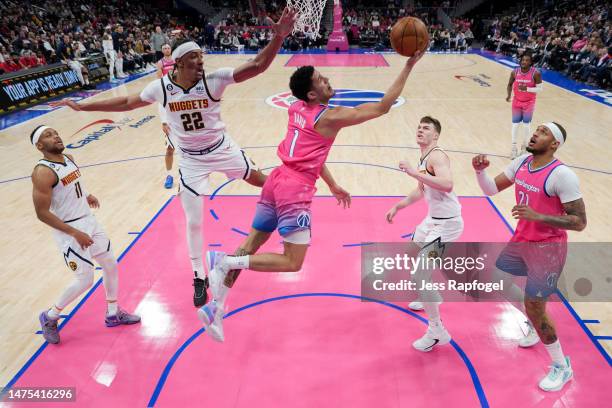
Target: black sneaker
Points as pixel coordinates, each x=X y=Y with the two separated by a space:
x=200 y=297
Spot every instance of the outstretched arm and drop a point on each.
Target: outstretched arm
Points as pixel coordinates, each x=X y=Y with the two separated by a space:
x=263 y=60
x=118 y=104
x=338 y=118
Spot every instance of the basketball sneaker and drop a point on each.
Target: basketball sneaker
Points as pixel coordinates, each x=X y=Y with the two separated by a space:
x=200 y=296
x=49 y=328
x=557 y=376
x=169 y=181
x=434 y=336
x=122 y=317
x=416 y=306
x=514 y=153
x=531 y=338
x=217 y=270
x=211 y=316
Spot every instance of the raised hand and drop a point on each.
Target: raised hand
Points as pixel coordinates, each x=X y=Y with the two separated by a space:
x=480 y=162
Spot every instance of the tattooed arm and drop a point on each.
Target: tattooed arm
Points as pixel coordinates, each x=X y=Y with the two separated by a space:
x=574 y=219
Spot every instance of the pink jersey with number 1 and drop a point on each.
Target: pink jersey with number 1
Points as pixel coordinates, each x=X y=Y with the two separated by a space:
x=304 y=150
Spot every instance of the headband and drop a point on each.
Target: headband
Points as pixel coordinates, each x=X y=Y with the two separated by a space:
x=184 y=49
x=554 y=129
x=37 y=133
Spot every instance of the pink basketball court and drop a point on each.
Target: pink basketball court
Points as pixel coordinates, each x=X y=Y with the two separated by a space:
x=302 y=339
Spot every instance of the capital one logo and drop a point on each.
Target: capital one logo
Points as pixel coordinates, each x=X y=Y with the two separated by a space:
x=349 y=98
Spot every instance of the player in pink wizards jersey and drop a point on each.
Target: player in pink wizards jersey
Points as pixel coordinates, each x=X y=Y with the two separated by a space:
x=165 y=65
x=526 y=82
x=548 y=202
x=289 y=189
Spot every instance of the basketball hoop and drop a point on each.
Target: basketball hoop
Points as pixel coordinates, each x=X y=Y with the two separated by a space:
x=309 y=14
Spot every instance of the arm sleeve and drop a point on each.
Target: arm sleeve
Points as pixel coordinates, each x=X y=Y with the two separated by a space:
x=563 y=183
x=153 y=92
x=219 y=80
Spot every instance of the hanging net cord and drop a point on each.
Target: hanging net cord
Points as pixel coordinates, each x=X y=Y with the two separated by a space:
x=309 y=14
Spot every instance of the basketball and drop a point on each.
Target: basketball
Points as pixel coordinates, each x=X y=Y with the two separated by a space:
x=409 y=35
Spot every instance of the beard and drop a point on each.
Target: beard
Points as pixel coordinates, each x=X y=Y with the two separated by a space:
x=56 y=150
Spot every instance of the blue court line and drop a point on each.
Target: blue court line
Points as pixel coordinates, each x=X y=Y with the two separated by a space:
x=215 y=245
x=78 y=306
x=214 y=214
x=246 y=234
x=134 y=233
x=407 y=235
x=569 y=307
x=603 y=337
x=166 y=371
x=591 y=321
x=357 y=245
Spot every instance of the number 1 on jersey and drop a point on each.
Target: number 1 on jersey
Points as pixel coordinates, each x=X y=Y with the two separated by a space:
x=296 y=133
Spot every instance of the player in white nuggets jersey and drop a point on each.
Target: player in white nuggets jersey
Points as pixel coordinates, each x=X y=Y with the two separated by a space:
x=443 y=222
x=192 y=103
x=61 y=201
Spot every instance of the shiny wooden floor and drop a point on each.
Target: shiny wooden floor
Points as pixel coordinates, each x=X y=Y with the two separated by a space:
x=125 y=169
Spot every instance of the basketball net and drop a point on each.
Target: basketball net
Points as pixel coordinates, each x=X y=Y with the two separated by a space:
x=309 y=14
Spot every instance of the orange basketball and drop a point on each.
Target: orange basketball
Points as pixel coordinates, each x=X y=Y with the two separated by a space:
x=409 y=35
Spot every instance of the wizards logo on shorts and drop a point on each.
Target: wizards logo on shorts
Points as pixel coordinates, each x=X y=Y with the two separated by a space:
x=343 y=97
x=303 y=219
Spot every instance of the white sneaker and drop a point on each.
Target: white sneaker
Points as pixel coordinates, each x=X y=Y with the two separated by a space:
x=416 y=306
x=514 y=153
x=557 y=376
x=217 y=270
x=434 y=336
x=530 y=339
x=211 y=316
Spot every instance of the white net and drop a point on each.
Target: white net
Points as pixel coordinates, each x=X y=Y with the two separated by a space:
x=309 y=14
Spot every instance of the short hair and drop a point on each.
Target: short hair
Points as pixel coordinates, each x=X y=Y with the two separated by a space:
x=527 y=54
x=562 y=129
x=301 y=82
x=435 y=122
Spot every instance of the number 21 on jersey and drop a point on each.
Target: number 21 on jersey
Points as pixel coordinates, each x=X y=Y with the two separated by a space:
x=523 y=198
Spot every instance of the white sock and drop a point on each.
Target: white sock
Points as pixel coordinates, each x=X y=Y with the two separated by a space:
x=515 y=127
x=237 y=262
x=169 y=173
x=556 y=353
x=54 y=313
x=223 y=292
x=193 y=208
x=433 y=313
x=198 y=268
x=112 y=307
x=527 y=133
